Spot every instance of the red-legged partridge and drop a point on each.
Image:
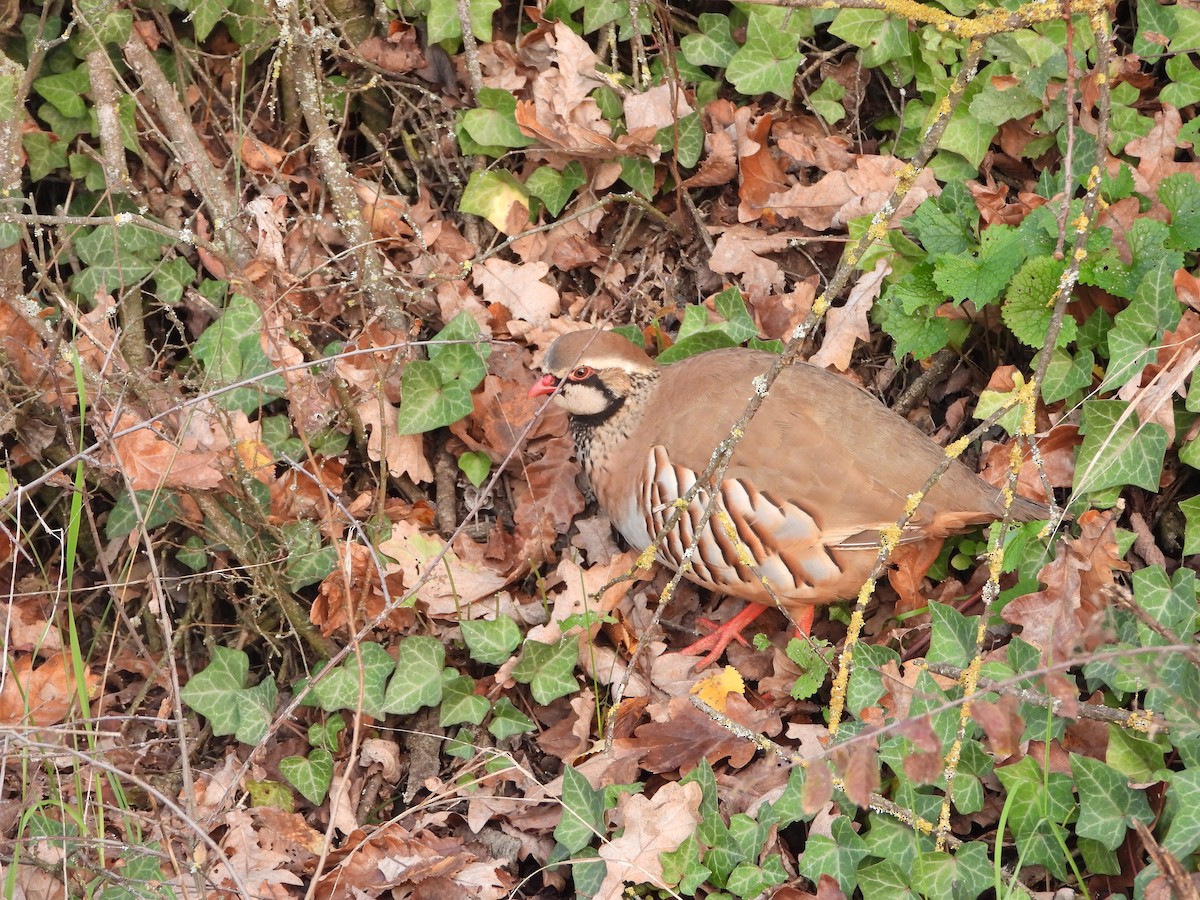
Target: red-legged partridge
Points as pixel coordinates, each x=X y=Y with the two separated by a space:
x=822 y=468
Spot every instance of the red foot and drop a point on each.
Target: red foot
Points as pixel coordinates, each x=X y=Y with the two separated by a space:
x=722 y=636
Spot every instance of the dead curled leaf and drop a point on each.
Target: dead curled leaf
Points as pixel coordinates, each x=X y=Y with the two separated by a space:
x=1067 y=614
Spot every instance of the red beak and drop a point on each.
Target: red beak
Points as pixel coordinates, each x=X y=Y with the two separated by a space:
x=548 y=384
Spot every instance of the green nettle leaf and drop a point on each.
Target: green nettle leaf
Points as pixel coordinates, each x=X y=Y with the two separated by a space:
x=983 y=276
x=311 y=776
x=549 y=669
x=1028 y=305
x=461 y=704
x=554 y=188
x=945 y=224
x=491 y=643
x=582 y=812
x=417 y=681
x=713 y=45
x=807 y=655
x=1117 y=448
x=231 y=353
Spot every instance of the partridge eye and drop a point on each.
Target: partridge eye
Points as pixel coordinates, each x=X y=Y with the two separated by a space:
x=581 y=374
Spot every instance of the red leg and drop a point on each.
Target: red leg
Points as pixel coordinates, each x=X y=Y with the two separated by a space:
x=722 y=636
x=717 y=640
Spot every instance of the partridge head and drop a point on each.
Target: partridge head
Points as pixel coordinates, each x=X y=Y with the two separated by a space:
x=822 y=468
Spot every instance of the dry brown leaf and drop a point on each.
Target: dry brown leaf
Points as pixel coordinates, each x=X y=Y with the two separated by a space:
x=42 y=695
x=404 y=453
x=847 y=324
x=151 y=460
x=838 y=197
x=399 y=53
x=653 y=826
x=1068 y=611
x=519 y=287
x=1002 y=723
x=761 y=176
x=858 y=764
x=687 y=736
x=457 y=580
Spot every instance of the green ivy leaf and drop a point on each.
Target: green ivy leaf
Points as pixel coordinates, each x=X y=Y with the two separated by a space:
x=357 y=683
x=231 y=353
x=219 y=694
x=713 y=44
x=954 y=635
x=417 y=681
x=492 y=194
x=311 y=777
x=309 y=557
x=493 y=124
x=1039 y=805
x=491 y=643
x=1117 y=449
x=549 y=669
x=554 y=188
x=768 y=61
x=507 y=721
x=826 y=101
x=1106 y=802
x=65 y=91
x=429 y=402
x=461 y=704
x=837 y=856
x=582 y=812
x=475 y=466
x=152 y=510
